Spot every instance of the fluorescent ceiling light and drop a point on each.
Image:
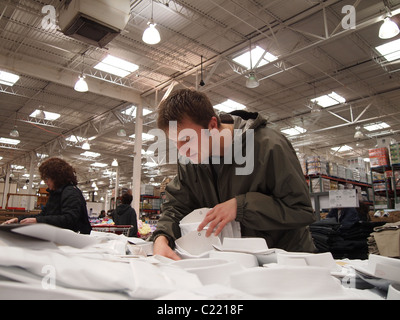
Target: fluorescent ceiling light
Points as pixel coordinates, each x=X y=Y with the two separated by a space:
x=145 y=136
x=17 y=167
x=90 y=154
x=150 y=164
x=131 y=111
x=294 y=131
x=380 y=133
x=376 y=126
x=229 y=106
x=256 y=54
x=8 y=79
x=76 y=139
x=9 y=141
x=329 y=100
x=342 y=148
x=99 y=164
x=116 y=66
x=390 y=51
x=47 y=115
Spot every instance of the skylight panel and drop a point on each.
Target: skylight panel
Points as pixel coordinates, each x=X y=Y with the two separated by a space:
x=116 y=66
x=47 y=115
x=13 y=142
x=256 y=54
x=329 y=100
x=90 y=154
x=17 y=167
x=376 y=126
x=76 y=139
x=8 y=78
x=342 y=148
x=131 y=111
x=99 y=164
x=229 y=106
x=390 y=51
x=145 y=137
x=294 y=131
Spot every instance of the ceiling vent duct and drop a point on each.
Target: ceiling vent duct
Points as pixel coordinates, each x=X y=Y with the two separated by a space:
x=96 y=22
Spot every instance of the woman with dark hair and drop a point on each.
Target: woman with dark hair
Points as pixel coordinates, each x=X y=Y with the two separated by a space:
x=66 y=207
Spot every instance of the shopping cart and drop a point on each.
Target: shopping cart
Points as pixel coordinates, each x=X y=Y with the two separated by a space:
x=117 y=229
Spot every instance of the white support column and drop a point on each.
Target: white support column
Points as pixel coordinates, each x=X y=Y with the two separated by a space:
x=116 y=185
x=6 y=186
x=31 y=168
x=137 y=160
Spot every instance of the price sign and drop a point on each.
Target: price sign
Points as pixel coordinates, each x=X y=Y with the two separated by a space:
x=343 y=198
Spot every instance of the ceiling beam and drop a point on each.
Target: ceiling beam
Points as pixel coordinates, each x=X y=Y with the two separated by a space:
x=38 y=69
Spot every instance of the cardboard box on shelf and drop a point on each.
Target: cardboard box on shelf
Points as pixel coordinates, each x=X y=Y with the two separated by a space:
x=147 y=189
x=378 y=157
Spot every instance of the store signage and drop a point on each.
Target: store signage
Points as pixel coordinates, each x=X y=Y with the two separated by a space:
x=343 y=198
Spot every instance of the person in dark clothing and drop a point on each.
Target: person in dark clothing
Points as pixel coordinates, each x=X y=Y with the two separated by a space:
x=66 y=207
x=102 y=214
x=345 y=216
x=126 y=215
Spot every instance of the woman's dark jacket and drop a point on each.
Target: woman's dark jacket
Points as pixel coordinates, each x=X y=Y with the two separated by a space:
x=66 y=208
x=126 y=215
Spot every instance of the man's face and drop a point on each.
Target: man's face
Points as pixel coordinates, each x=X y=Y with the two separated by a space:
x=192 y=140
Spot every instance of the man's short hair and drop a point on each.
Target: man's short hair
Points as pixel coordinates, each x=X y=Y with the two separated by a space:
x=126 y=198
x=186 y=103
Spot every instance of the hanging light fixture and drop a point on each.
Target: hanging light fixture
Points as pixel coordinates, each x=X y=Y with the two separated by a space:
x=81 y=85
x=41 y=115
x=121 y=132
x=86 y=145
x=388 y=29
x=252 y=81
x=358 y=134
x=151 y=34
x=14 y=132
x=114 y=163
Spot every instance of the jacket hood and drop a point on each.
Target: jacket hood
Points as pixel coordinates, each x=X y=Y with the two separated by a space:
x=244 y=120
x=122 y=208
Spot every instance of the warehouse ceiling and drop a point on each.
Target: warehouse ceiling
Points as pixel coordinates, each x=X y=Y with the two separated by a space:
x=317 y=48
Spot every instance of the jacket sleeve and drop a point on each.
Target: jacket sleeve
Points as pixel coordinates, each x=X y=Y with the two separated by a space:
x=68 y=218
x=288 y=204
x=180 y=202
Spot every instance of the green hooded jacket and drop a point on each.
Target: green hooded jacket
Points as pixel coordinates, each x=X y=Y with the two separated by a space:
x=273 y=200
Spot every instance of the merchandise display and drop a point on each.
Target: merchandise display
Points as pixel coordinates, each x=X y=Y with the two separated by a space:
x=78 y=261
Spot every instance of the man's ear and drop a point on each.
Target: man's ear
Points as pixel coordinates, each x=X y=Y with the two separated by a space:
x=213 y=124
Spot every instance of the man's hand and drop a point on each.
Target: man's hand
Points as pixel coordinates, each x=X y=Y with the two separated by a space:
x=11 y=221
x=28 y=221
x=219 y=217
x=162 y=248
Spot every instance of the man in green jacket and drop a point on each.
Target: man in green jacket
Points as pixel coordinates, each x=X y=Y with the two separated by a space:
x=237 y=166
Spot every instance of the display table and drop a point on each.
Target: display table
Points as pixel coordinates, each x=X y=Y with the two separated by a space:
x=44 y=262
